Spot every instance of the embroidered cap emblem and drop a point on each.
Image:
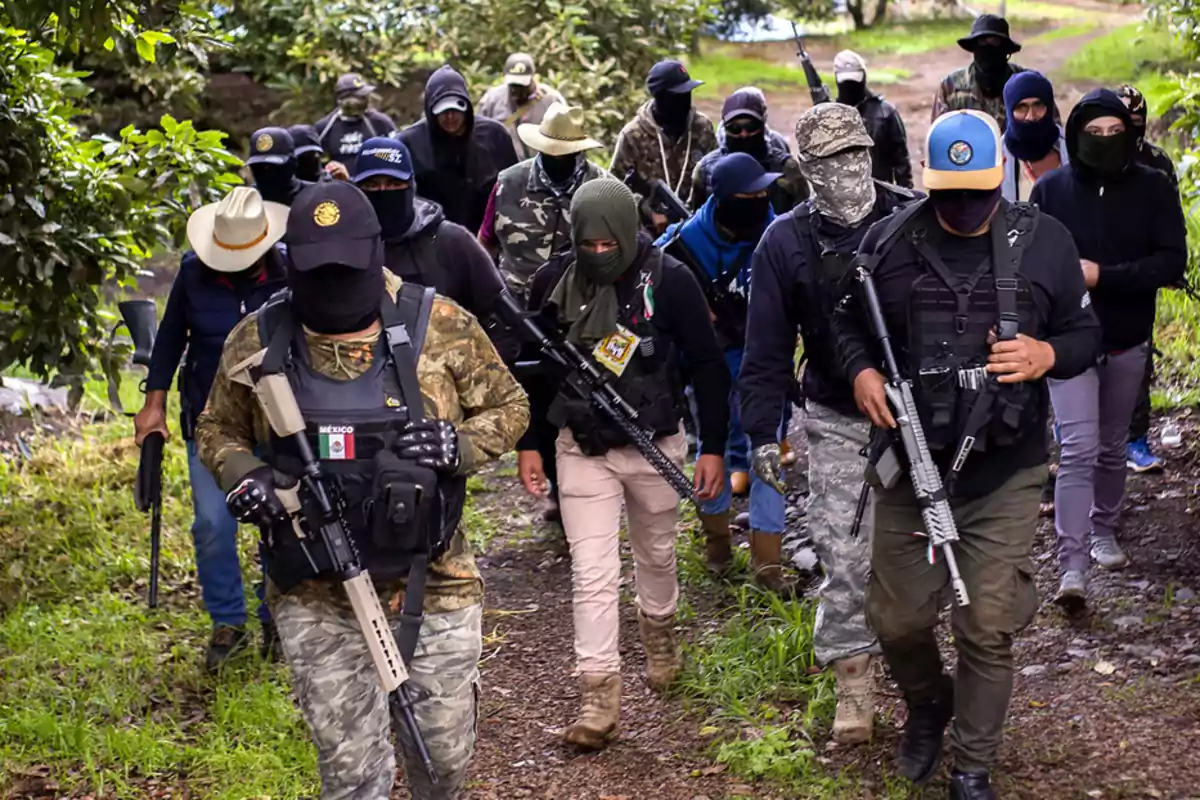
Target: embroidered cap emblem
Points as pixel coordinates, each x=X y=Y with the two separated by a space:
x=326 y=214
x=960 y=154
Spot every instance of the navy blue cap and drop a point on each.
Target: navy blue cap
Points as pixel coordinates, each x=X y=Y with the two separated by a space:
x=271 y=146
x=383 y=156
x=670 y=76
x=306 y=140
x=740 y=173
x=333 y=222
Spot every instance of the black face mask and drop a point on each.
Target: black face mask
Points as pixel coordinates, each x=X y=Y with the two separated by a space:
x=965 y=210
x=335 y=298
x=851 y=93
x=755 y=144
x=559 y=169
x=274 y=181
x=1106 y=155
x=519 y=94
x=395 y=210
x=308 y=167
x=672 y=112
x=991 y=69
x=744 y=216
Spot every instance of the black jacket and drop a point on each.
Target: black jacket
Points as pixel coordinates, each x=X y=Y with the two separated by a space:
x=457 y=172
x=681 y=319
x=342 y=138
x=435 y=252
x=889 y=156
x=785 y=297
x=1061 y=315
x=1132 y=226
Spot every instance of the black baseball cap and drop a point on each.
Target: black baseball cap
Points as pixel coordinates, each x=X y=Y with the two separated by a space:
x=352 y=85
x=670 y=76
x=271 y=146
x=745 y=103
x=333 y=222
x=306 y=140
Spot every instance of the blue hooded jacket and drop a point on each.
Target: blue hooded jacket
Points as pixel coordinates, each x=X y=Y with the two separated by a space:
x=715 y=254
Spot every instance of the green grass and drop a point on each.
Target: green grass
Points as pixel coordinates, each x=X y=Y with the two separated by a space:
x=918 y=36
x=1129 y=53
x=1063 y=32
x=723 y=73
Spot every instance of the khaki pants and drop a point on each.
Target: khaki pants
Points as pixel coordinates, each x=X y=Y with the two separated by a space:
x=592 y=491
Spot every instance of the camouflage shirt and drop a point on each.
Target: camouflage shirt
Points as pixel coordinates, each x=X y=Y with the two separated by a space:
x=644 y=149
x=959 y=91
x=532 y=220
x=496 y=104
x=462 y=379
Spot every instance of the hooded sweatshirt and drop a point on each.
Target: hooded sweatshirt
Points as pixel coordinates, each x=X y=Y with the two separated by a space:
x=644 y=150
x=457 y=172
x=1131 y=224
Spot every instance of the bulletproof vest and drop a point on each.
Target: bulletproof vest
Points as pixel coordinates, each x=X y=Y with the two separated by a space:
x=729 y=306
x=394 y=510
x=650 y=382
x=951 y=318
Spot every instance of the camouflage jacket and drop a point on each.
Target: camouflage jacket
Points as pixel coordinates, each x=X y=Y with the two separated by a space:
x=643 y=149
x=959 y=91
x=532 y=222
x=462 y=379
x=495 y=104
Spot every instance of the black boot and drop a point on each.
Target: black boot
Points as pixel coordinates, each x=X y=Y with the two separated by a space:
x=269 y=649
x=921 y=742
x=226 y=642
x=971 y=786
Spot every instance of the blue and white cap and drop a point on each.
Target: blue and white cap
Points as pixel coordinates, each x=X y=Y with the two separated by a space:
x=381 y=155
x=962 y=151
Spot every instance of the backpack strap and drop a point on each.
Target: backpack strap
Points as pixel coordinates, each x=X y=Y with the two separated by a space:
x=883 y=235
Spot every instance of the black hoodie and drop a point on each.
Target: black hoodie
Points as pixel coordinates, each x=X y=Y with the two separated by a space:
x=1131 y=225
x=435 y=252
x=457 y=172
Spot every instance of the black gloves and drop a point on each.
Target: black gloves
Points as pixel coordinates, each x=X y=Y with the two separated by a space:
x=254 y=501
x=432 y=443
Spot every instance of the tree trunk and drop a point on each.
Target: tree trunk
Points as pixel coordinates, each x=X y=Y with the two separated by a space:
x=881 y=12
x=855 y=7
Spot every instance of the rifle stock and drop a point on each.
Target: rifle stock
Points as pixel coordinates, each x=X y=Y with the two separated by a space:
x=817 y=90
x=667 y=203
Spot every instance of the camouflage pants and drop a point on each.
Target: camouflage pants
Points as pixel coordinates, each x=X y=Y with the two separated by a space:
x=835 y=477
x=347 y=712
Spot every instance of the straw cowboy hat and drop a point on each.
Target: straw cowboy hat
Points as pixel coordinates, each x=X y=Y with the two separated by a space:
x=232 y=234
x=560 y=132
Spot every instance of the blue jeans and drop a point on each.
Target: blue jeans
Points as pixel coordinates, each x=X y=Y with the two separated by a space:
x=214 y=533
x=766 y=504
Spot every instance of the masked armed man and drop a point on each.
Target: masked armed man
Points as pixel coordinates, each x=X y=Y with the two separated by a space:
x=400 y=485
x=717 y=244
x=342 y=131
x=665 y=141
x=980 y=85
x=889 y=154
x=309 y=154
x=520 y=100
x=642 y=317
x=973 y=290
x=800 y=271
x=744 y=130
x=272 y=162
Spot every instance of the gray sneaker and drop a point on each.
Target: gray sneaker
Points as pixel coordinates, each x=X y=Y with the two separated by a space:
x=1108 y=554
x=1072 y=591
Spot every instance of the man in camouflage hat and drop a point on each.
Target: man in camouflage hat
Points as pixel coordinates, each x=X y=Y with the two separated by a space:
x=980 y=84
x=473 y=411
x=520 y=100
x=800 y=271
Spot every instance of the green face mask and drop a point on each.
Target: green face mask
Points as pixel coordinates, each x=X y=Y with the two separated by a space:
x=601 y=269
x=353 y=106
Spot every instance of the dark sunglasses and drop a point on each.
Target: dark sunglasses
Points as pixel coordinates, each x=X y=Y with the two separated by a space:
x=743 y=128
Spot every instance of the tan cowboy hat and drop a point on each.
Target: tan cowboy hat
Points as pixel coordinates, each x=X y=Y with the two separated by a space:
x=560 y=132
x=233 y=233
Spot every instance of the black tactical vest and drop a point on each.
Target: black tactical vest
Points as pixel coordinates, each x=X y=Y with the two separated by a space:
x=650 y=382
x=394 y=510
x=950 y=320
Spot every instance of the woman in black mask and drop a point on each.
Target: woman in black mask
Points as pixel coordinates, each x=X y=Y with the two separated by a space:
x=1128 y=226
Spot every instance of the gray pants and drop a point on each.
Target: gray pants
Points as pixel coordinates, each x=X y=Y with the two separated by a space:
x=1093 y=412
x=347 y=712
x=835 y=477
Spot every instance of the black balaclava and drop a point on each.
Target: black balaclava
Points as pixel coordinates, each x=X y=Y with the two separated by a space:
x=274 y=181
x=754 y=144
x=744 y=217
x=965 y=210
x=336 y=299
x=395 y=209
x=851 y=93
x=518 y=95
x=991 y=68
x=559 y=169
x=308 y=166
x=1101 y=157
x=672 y=112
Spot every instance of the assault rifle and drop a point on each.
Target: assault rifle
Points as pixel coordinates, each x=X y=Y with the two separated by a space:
x=816 y=89
x=318 y=523
x=927 y=482
x=582 y=376
x=659 y=197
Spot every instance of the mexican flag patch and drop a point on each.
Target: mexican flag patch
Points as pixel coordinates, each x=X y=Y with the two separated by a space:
x=336 y=442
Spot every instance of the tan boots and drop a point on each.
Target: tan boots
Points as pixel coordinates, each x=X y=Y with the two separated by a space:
x=600 y=713
x=664 y=661
x=718 y=542
x=766 y=558
x=855 y=700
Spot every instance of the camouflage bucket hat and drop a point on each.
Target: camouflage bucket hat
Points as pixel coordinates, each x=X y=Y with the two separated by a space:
x=828 y=129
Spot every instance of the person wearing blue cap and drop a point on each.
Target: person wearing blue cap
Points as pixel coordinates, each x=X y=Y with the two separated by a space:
x=1129 y=228
x=1033 y=141
x=272 y=162
x=983 y=300
x=717 y=244
x=420 y=244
